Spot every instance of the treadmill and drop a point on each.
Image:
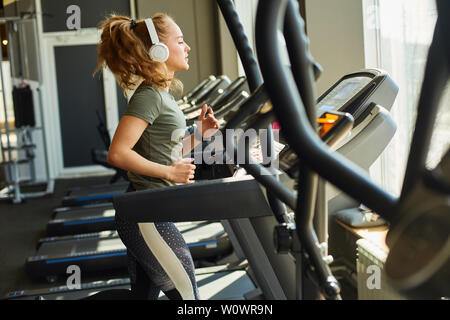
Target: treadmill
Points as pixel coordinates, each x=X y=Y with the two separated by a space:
x=76 y=220
x=249 y=227
x=221 y=97
x=419 y=257
x=93 y=194
x=267 y=279
x=212 y=88
x=221 y=110
x=98 y=217
x=188 y=96
x=223 y=90
x=373 y=130
x=214 y=283
x=252 y=228
x=229 y=281
x=104 y=250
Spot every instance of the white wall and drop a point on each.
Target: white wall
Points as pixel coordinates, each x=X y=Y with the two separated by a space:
x=334 y=27
x=336 y=33
x=197 y=21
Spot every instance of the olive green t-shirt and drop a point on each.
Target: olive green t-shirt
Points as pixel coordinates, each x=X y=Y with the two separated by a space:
x=161 y=141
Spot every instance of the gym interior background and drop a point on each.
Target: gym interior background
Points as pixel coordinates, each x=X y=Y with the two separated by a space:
x=57 y=64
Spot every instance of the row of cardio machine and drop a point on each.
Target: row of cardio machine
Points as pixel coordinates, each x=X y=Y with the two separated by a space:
x=82 y=231
x=230 y=231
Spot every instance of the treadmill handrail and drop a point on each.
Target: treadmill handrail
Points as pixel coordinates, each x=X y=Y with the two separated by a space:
x=242 y=44
x=197 y=89
x=304 y=77
x=228 y=93
x=220 y=196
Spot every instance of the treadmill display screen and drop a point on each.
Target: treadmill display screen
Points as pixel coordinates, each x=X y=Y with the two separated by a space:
x=347 y=90
x=341 y=94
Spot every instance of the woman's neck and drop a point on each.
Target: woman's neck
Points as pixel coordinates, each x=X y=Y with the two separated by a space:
x=171 y=74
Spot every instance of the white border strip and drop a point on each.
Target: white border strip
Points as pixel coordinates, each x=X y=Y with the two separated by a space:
x=168 y=260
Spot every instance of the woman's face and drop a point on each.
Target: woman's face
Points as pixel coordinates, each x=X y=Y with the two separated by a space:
x=178 y=49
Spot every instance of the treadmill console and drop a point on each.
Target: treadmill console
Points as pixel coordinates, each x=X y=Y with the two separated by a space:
x=356 y=94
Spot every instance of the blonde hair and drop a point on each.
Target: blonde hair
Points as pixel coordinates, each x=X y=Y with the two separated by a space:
x=125 y=51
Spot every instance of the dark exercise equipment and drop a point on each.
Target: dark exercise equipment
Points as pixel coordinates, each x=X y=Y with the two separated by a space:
x=222 y=97
x=99 y=155
x=138 y=200
x=232 y=193
x=418 y=263
x=187 y=97
x=269 y=268
x=208 y=92
x=23 y=107
x=236 y=193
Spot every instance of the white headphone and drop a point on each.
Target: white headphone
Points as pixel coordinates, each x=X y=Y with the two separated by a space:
x=158 y=51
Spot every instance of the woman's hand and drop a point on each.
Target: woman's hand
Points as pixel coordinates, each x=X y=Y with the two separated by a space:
x=182 y=171
x=209 y=124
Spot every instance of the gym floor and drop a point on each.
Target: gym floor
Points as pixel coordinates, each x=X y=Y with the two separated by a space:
x=23 y=225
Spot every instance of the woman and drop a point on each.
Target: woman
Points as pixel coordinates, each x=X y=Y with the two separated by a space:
x=149 y=143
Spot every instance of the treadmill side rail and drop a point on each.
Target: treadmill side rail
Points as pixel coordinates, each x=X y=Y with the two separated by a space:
x=229 y=198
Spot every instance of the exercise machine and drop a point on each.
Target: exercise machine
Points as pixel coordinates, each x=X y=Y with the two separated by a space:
x=105 y=251
x=418 y=261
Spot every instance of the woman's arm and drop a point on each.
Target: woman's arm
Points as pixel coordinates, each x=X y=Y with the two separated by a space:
x=207 y=127
x=122 y=155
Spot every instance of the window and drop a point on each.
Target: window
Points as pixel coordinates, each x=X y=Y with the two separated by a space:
x=247 y=14
x=398 y=34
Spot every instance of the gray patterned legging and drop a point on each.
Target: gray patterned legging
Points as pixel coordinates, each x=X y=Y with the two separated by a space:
x=158 y=259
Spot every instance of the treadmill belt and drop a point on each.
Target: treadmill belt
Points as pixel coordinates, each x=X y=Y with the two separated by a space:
x=83 y=213
x=63 y=248
x=103 y=188
x=214 y=285
x=105 y=250
x=94 y=191
x=224 y=285
x=193 y=233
